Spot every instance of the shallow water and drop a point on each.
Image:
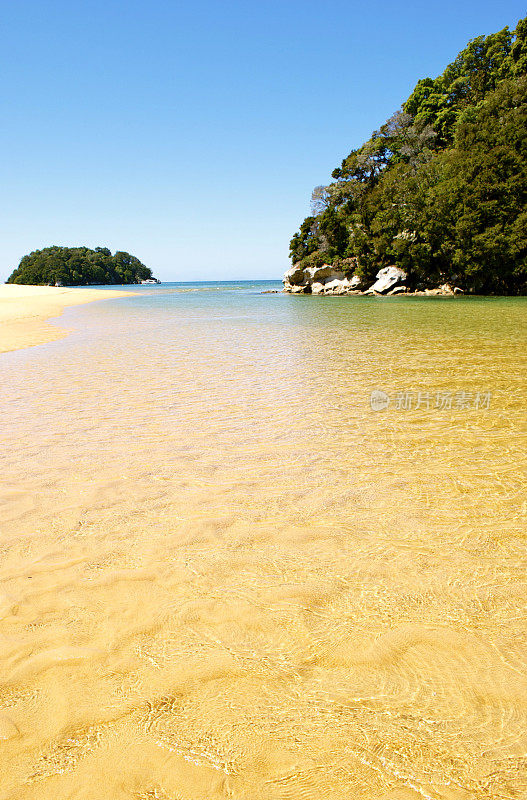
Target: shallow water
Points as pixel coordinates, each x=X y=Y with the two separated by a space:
x=223 y=575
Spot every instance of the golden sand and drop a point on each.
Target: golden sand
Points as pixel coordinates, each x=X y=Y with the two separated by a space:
x=24 y=311
x=223 y=577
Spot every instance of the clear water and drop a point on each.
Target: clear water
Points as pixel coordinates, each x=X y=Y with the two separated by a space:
x=224 y=575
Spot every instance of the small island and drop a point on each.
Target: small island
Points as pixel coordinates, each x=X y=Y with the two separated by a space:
x=434 y=201
x=80 y=266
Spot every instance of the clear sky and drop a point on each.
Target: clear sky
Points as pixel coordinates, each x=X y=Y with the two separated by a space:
x=192 y=133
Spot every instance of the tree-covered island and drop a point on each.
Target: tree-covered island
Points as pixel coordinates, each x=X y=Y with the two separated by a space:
x=79 y=266
x=438 y=192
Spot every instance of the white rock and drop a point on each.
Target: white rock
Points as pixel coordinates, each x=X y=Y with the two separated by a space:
x=319 y=280
x=295 y=276
x=331 y=285
x=387 y=278
x=355 y=282
x=322 y=274
x=337 y=286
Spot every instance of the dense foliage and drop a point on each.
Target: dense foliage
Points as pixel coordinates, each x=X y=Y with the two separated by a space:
x=440 y=190
x=79 y=266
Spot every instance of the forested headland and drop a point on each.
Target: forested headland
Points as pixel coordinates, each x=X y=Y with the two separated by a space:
x=79 y=266
x=440 y=189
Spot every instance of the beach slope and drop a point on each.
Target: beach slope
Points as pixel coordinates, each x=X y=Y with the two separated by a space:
x=25 y=311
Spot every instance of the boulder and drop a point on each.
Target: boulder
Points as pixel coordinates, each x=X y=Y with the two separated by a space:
x=337 y=286
x=318 y=280
x=445 y=290
x=398 y=290
x=333 y=285
x=299 y=289
x=323 y=274
x=355 y=282
x=295 y=276
x=387 y=278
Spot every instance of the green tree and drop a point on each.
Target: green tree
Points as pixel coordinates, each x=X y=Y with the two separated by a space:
x=79 y=266
x=440 y=188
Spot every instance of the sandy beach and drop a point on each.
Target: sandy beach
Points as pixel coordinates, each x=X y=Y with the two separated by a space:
x=25 y=311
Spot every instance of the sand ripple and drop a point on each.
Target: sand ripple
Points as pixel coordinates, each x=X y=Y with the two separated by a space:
x=222 y=576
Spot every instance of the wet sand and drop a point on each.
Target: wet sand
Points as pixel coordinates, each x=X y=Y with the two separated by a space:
x=223 y=577
x=24 y=311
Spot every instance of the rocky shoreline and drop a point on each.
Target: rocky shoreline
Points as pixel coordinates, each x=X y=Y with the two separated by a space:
x=329 y=280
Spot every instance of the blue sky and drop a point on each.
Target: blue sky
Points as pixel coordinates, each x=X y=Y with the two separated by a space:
x=191 y=134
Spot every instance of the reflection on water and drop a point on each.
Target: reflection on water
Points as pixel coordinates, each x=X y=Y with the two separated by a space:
x=223 y=575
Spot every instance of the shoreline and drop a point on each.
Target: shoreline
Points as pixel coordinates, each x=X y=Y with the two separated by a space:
x=25 y=311
x=368 y=293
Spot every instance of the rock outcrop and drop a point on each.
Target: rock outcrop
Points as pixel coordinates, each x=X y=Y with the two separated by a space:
x=329 y=280
x=387 y=278
x=323 y=274
x=319 y=280
x=294 y=277
x=397 y=290
x=445 y=290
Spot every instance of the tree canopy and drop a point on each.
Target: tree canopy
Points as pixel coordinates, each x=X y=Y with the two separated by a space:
x=440 y=189
x=79 y=266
